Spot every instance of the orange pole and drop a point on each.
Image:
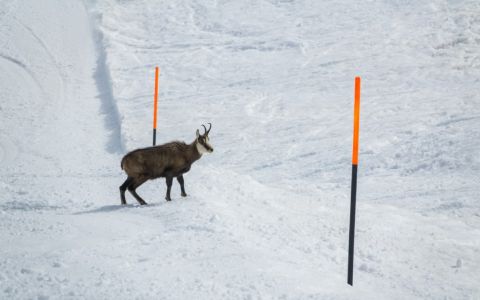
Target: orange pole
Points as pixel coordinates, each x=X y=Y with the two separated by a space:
x=356 y=121
x=155 y=99
x=353 y=200
x=155 y=105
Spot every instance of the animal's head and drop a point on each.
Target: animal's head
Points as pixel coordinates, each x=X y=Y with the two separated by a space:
x=203 y=142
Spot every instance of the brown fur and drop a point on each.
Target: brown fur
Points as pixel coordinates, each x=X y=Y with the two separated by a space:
x=168 y=160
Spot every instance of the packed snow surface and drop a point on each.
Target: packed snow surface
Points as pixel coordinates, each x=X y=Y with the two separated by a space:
x=267 y=212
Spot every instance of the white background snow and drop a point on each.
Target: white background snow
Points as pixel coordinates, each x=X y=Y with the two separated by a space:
x=267 y=212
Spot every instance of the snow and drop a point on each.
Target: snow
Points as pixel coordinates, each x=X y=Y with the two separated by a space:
x=267 y=211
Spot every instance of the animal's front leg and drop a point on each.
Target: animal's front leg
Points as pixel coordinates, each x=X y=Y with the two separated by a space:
x=182 y=185
x=169 y=181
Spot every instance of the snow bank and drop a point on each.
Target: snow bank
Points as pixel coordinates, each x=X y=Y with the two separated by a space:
x=267 y=214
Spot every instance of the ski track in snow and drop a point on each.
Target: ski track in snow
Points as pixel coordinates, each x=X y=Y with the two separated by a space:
x=25 y=69
x=267 y=212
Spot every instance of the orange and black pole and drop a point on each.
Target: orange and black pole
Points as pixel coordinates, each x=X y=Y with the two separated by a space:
x=155 y=102
x=353 y=200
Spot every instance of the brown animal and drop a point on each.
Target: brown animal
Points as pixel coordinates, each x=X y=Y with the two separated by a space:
x=168 y=160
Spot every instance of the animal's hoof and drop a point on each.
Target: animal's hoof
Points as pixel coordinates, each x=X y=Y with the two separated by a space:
x=143 y=203
x=124 y=203
x=184 y=195
x=168 y=199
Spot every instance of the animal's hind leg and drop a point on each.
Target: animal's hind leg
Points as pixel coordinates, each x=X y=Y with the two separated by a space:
x=182 y=185
x=123 y=188
x=132 y=187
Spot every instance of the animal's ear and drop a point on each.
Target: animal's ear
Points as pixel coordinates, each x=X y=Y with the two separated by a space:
x=198 y=133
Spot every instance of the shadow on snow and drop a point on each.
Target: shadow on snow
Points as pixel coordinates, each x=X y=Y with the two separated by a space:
x=111 y=208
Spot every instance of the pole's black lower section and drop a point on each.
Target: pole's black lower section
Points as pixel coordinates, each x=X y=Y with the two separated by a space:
x=154 y=136
x=351 y=234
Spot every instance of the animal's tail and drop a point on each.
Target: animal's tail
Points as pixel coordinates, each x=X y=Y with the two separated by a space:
x=121 y=163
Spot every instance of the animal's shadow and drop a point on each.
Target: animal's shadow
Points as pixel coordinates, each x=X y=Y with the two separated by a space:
x=111 y=208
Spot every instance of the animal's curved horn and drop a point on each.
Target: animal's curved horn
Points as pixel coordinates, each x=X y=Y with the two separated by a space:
x=210 y=127
x=205 y=128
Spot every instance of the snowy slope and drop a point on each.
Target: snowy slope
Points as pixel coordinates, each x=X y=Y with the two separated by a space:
x=267 y=212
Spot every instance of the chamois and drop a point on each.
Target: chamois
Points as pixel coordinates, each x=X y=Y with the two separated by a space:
x=168 y=160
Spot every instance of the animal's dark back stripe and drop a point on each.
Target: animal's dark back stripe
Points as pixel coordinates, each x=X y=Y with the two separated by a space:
x=175 y=145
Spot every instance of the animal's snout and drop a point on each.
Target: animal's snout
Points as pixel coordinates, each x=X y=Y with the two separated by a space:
x=209 y=148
